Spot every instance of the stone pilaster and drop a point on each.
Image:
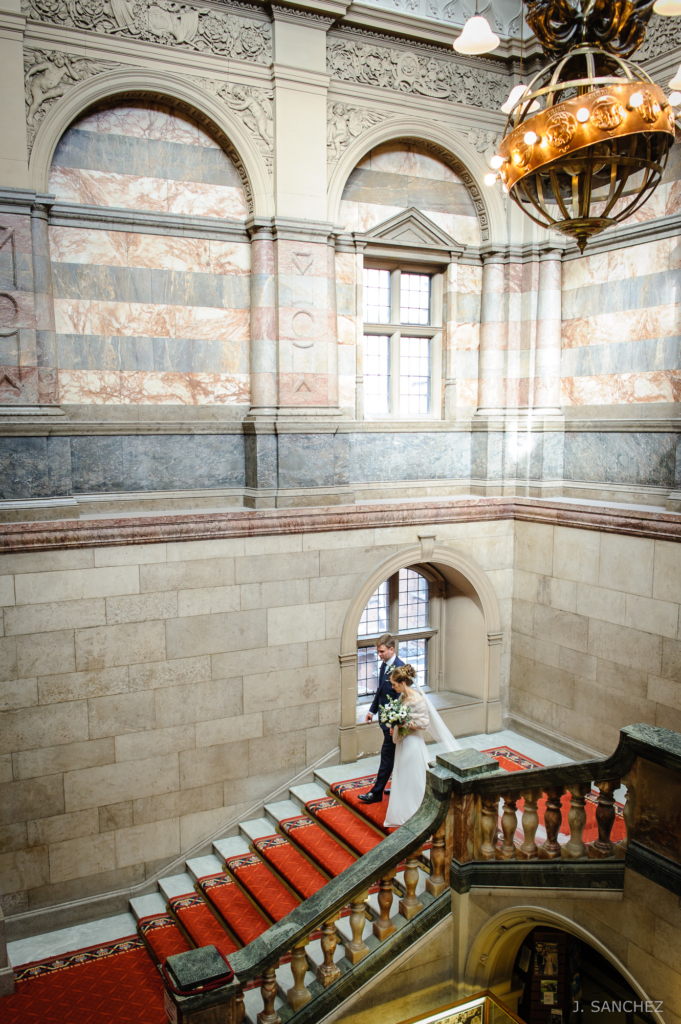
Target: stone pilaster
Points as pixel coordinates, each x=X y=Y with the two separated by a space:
x=45 y=335
x=264 y=396
x=547 y=362
x=491 y=386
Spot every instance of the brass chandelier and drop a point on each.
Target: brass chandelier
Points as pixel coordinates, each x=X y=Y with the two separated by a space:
x=587 y=141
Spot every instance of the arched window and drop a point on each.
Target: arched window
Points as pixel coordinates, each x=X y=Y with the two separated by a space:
x=401 y=605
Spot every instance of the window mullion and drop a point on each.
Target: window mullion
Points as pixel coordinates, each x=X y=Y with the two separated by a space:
x=395 y=373
x=394 y=606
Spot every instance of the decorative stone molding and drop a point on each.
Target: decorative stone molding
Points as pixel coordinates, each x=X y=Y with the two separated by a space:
x=411 y=71
x=253 y=106
x=344 y=123
x=483 y=141
x=467 y=178
x=662 y=35
x=162 y=21
x=48 y=74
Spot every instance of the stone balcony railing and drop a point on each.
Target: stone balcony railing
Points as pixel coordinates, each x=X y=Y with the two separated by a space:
x=466 y=792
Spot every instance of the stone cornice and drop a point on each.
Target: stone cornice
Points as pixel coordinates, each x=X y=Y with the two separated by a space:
x=46 y=536
x=73 y=215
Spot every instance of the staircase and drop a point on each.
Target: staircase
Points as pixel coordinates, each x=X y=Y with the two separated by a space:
x=276 y=862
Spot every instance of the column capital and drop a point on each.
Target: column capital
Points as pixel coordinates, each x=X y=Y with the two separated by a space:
x=494 y=253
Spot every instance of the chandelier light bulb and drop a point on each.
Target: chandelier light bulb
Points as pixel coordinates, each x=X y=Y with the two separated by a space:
x=582 y=115
x=531 y=138
x=516 y=93
x=676 y=82
x=477 y=37
x=490 y=179
x=674 y=99
x=498 y=161
x=668 y=8
x=636 y=99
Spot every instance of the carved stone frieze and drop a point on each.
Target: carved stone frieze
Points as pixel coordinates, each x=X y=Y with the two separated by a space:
x=162 y=21
x=411 y=71
x=483 y=141
x=253 y=106
x=48 y=74
x=345 y=123
x=662 y=35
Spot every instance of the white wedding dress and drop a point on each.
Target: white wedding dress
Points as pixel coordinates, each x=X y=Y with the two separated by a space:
x=411 y=760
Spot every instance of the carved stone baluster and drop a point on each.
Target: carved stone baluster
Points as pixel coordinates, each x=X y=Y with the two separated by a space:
x=328 y=972
x=436 y=883
x=357 y=948
x=490 y=827
x=509 y=823
x=384 y=927
x=298 y=994
x=629 y=812
x=605 y=819
x=240 y=1006
x=268 y=1015
x=528 y=847
x=576 y=820
x=553 y=816
x=410 y=905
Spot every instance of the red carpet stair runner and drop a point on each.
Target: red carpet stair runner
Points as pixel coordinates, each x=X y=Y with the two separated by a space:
x=227 y=899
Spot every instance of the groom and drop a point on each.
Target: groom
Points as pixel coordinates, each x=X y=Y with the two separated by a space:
x=386 y=652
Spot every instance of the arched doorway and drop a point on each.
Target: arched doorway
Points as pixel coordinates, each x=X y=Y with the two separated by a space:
x=443 y=612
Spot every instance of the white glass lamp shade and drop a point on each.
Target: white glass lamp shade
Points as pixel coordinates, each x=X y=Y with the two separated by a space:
x=516 y=93
x=668 y=8
x=676 y=81
x=477 y=37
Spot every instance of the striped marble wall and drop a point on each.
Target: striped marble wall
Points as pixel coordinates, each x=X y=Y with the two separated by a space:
x=149 y=318
x=622 y=314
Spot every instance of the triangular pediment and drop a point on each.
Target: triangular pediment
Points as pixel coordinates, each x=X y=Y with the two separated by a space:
x=413 y=229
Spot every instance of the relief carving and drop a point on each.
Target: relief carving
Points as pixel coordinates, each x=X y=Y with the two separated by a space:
x=408 y=71
x=662 y=35
x=254 y=106
x=482 y=141
x=344 y=123
x=47 y=76
x=442 y=154
x=161 y=21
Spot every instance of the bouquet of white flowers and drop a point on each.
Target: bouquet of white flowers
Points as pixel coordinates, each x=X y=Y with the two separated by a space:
x=396 y=714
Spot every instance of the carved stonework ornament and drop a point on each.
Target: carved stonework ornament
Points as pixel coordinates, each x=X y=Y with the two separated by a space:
x=344 y=123
x=662 y=35
x=162 y=21
x=253 y=106
x=48 y=74
x=410 y=71
x=483 y=141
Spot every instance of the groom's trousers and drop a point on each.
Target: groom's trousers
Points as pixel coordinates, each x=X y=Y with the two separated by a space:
x=387 y=762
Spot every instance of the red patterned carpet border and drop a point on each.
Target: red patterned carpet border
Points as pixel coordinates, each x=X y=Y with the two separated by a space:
x=350 y=789
x=305 y=879
x=512 y=761
x=201 y=925
x=359 y=836
x=163 y=936
x=317 y=844
x=234 y=906
x=119 y=986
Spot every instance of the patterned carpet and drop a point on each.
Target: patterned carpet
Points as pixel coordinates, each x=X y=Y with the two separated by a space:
x=112 y=984
x=234 y=907
x=200 y=924
x=350 y=791
x=317 y=844
x=355 y=833
x=162 y=936
x=512 y=761
x=305 y=879
x=261 y=885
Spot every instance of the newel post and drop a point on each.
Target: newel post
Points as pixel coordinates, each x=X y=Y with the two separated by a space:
x=463 y=835
x=216 y=1006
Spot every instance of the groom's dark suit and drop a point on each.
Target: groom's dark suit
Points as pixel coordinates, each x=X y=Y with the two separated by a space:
x=384 y=691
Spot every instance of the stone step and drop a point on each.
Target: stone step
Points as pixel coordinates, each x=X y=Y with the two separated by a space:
x=310 y=791
x=176 y=885
x=230 y=847
x=256 y=828
x=148 y=906
x=201 y=867
x=281 y=810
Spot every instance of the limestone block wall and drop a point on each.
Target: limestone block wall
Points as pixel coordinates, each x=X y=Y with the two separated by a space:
x=158 y=317
x=596 y=641
x=151 y=694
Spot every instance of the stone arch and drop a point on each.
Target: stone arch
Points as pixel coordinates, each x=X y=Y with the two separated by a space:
x=471 y=577
x=494 y=949
x=156 y=86
x=444 y=145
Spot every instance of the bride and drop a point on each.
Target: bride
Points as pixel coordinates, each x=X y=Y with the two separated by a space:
x=411 y=754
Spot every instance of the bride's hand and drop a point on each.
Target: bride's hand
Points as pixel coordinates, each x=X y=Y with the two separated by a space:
x=391 y=730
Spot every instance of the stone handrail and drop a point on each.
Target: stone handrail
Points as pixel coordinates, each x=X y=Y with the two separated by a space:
x=460 y=810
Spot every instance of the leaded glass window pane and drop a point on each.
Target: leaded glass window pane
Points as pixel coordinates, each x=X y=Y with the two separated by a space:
x=375 y=616
x=376 y=296
x=415 y=653
x=376 y=374
x=413 y=600
x=368 y=667
x=414 y=376
x=414 y=299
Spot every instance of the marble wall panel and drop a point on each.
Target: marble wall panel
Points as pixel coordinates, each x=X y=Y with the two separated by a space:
x=641 y=458
x=313 y=460
x=409 y=456
x=615 y=389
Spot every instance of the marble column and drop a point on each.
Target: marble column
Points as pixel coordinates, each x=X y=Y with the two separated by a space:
x=450 y=322
x=547 y=361
x=492 y=359
x=263 y=323
x=45 y=340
